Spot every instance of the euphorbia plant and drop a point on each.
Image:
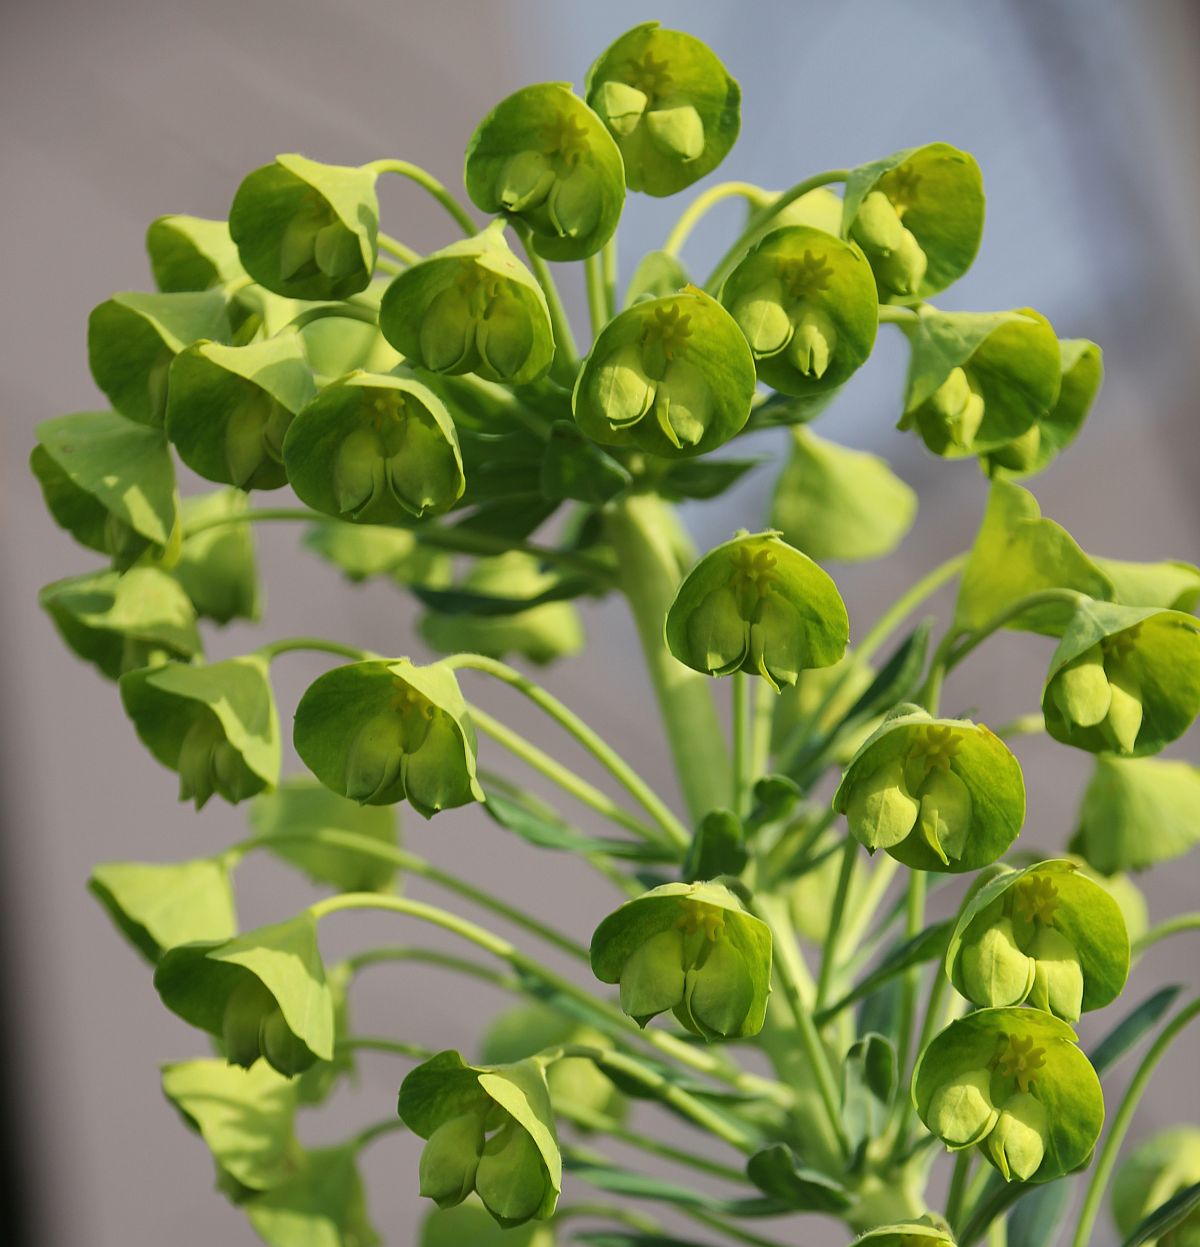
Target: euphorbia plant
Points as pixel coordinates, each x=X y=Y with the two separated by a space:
x=434 y=417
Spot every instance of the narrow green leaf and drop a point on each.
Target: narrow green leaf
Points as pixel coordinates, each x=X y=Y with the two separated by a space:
x=927 y=945
x=777 y=1171
x=1126 y=1034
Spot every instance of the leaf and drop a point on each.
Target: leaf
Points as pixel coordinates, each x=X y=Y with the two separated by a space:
x=575 y=467
x=301 y=809
x=1033 y=1221
x=547 y=831
x=895 y=681
x=777 y=1171
x=658 y=273
x=217 y=567
x=717 y=848
x=157 y=907
x=363 y=551
x=324 y=1205
x=927 y=945
x=703 y=478
x=869 y=1077
x=1166 y=1217
x=836 y=503
x=647 y=1186
x=465 y=601
x=1171 y=585
x=1126 y=1034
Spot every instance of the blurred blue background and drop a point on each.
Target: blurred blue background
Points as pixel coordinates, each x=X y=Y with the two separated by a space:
x=1083 y=117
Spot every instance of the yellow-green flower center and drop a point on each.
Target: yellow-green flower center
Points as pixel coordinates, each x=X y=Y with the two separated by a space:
x=1020 y=1060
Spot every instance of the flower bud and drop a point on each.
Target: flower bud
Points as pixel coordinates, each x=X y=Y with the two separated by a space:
x=1018 y=1142
x=450 y=1159
x=995 y=971
x=1082 y=689
x=1058 y=975
x=961 y=1111
x=761 y=317
x=511 y=1178
x=945 y=816
x=881 y=811
x=877 y=227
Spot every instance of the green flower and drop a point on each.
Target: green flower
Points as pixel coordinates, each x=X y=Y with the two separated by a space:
x=1155 y=1171
x=215 y=725
x=918 y=216
x=262 y=994
x=672 y=375
x=1123 y=679
x=229 y=408
x=376 y=450
x=544 y=158
x=307 y=230
x=979 y=381
x=471 y=307
x=1014 y=1083
x=807 y=303
x=382 y=731
x=669 y=103
x=693 y=949
x=488 y=1129
x=754 y=604
x=1047 y=934
x=191 y=253
x=937 y=794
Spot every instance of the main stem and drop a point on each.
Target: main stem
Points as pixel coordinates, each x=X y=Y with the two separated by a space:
x=640 y=530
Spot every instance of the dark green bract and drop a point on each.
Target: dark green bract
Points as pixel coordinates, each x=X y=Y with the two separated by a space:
x=673 y=376
x=670 y=104
x=543 y=157
x=191 y=253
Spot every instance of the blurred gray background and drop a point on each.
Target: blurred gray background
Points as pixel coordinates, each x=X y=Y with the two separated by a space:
x=1083 y=117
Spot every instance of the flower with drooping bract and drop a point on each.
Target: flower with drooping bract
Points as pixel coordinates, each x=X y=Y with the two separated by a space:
x=1047 y=1103
x=978 y=381
x=1157 y=1170
x=918 y=216
x=471 y=307
x=672 y=375
x=807 y=304
x=307 y=230
x=1048 y=934
x=375 y=450
x=191 y=253
x=385 y=730
x=263 y=994
x=109 y=482
x=1123 y=679
x=214 y=724
x=488 y=1128
x=755 y=604
x=229 y=407
x=938 y=794
x=691 y=948
x=544 y=158
x=669 y=103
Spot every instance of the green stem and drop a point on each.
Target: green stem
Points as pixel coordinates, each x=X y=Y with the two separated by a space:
x=318 y=644
x=1172 y=926
x=389 y=1125
x=472 y=541
x=390 y=267
x=958 y=1187
x=889 y=315
x=739 y=688
x=829 y=956
x=696 y=210
x=566 y=357
x=259 y=515
x=414 y=173
x=561 y=775
x=869 y=902
x=760 y=224
x=911 y=985
x=906 y=603
x=1107 y=1159
x=608 y=1212
x=444 y=961
x=376 y=1043
x=640 y=530
x=609 y=265
x=400 y=250
x=599 y=748
x=763 y=720
x=1022 y=725
x=596 y=293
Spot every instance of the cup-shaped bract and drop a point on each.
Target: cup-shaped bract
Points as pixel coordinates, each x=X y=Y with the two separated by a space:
x=335 y=345
x=1046 y=1104
x=229 y=408
x=307 y=230
x=471 y=307
x=938 y=794
x=191 y=253
x=691 y=948
x=385 y=730
x=132 y=339
x=927 y=1231
x=544 y=158
x=1047 y=934
x=109 y=482
x=807 y=303
x=669 y=103
x=673 y=376
x=214 y=724
x=918 y=216
x=216 y=565
x=263 y=994
x=1082 y=373
x=1157 y=1170
x=574 y=1082
x=376 y=450
x=488 y=1128
x=979 y=380
x=836 y=503
x=1136 y=812
x=547 y=630
x=755 y=604
x=1123 y=679
x=122 y=622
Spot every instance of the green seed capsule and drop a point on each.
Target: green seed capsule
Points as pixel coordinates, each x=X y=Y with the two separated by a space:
x=1082 y=690
x=374 y=760
x=718 y=993
x=1058 y=976
x=621 y=107
x=903 y=270
x=450 y=1160
x=945 y=816
x=241 y=1024
x=511 y=1178
x=652 y=980
x=958 y=406
x=761 y=317
x=961 y=1112
x=882 y=811
x=1018 y=1142
x=283 y=1051
x=877 y=227
x=995 y=971
x=1124 y=720
x=813 y=343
